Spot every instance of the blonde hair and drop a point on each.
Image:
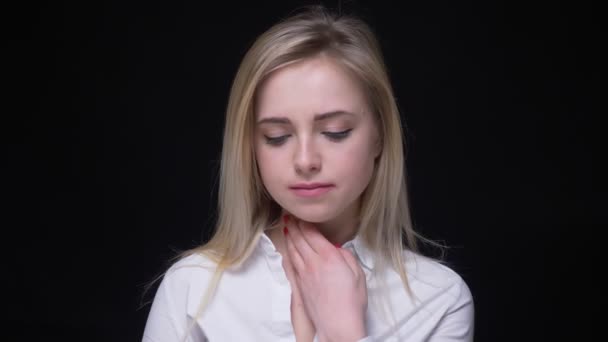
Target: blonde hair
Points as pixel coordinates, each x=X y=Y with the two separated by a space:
x=245 y=209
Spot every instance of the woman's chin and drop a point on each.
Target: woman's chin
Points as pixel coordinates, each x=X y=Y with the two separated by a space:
x=311 y=217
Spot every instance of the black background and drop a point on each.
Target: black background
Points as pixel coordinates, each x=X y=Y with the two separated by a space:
x=113 y=132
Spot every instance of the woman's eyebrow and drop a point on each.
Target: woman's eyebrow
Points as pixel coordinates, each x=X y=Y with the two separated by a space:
x=317 y=117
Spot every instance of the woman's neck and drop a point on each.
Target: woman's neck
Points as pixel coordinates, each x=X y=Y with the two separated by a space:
x=339 y=230
x=342 y=228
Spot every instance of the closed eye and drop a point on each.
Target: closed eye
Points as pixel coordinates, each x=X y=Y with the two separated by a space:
x=337 y=136
x=276 y=141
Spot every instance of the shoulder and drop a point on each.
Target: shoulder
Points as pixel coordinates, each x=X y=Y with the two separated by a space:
x=429 y=271
x=177 y=297
x=443 y=291
x=189 y=271
x=193 y=262
x=430 y=275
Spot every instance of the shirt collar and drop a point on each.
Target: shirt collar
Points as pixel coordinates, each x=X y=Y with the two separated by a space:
x=357 y=245
x=361 y=251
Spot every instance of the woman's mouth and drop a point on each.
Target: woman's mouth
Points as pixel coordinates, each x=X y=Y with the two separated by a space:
x=311 y=190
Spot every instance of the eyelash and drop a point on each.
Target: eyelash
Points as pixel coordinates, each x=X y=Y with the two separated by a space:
x=334 y=136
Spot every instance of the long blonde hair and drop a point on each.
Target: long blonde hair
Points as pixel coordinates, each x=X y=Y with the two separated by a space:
x=245 y=209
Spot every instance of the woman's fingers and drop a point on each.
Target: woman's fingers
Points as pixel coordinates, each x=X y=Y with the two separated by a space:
x=307 y=246
x=294 y=255
x=300 y=244
x=288 y=265
x=302 y=324
x=328 y=280
x=315 y=239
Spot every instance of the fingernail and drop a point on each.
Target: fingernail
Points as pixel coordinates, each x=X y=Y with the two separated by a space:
x=285 y=230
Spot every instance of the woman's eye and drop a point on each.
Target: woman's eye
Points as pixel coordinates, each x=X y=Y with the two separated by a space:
x=276 y=141
x=338 y=135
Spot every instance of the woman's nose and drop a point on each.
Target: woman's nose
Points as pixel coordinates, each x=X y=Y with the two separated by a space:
x=307 y=159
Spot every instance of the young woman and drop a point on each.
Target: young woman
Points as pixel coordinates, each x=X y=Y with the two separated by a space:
x=314 y=239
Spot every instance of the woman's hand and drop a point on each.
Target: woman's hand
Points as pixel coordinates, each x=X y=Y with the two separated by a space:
x=330 y=283
x=302 y=325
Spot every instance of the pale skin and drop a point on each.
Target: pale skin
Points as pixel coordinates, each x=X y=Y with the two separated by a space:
x=326 y=281
x=304 y=107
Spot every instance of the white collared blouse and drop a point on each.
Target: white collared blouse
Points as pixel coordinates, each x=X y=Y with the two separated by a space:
x=253 y=302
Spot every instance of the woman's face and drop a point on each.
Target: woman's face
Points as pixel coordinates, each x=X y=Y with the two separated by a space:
x=315 y=139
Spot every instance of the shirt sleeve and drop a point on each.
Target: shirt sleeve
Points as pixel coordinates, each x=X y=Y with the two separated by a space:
x=457 y=325
x=168 y=319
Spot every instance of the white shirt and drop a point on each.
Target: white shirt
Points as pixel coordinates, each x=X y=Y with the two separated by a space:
x=253 y=303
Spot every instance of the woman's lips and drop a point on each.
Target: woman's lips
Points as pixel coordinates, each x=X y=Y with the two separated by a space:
x=312 y=192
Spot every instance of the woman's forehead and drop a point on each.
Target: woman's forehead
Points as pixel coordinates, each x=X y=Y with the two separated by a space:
x=310 y=87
